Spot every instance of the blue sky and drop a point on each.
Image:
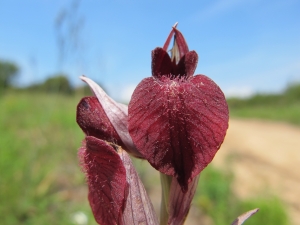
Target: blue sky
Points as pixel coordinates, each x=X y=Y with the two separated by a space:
x=244 y=46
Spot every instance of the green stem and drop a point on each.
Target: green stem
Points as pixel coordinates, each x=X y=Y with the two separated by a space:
x=165 y=187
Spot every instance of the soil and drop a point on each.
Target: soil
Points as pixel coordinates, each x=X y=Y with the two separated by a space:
x=265 y=159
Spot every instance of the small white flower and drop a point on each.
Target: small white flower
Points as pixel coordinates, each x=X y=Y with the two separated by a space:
x=80 y=218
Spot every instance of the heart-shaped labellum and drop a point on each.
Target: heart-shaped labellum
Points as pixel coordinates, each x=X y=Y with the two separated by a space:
x=176 y=120
x=178 y=124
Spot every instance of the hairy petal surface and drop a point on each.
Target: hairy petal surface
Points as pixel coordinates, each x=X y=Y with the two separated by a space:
x=116 y=194
x=182 y=61
x=162 y=64
x=188 y=64
x=178 y=124
x=117 y=114
x=93 y=121
x=106 y=178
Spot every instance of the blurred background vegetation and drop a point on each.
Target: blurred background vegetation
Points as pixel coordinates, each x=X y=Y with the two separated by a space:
x=40 y=178
x=41 y=182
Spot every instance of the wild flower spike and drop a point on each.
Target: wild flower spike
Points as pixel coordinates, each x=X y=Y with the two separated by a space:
x=176 y=120
x=116 y=194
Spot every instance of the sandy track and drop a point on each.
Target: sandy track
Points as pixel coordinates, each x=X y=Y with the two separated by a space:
x=265 y=158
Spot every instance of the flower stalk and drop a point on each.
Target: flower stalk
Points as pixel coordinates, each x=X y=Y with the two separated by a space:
x=166 y=182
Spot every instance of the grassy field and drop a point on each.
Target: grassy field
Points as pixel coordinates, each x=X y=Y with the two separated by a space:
x=288 y=113
x=216 y=199
x=283 y=107
x=41 y=182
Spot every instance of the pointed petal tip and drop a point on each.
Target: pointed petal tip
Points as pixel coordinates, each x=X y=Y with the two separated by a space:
x=242 y=218
x=82 y=77
x=175 y=25
x=117 y=114
x=181 y=202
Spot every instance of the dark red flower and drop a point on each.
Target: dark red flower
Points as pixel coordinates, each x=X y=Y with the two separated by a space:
x=176 y=120
x=116 y=194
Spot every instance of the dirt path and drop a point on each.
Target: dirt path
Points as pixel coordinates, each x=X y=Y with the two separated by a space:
x=265 y=157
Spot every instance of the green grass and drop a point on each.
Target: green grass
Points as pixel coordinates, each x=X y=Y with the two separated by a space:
x=289 y=113
x=215 y=198
x=41 y=182
x=271 y=211
x=283 y=107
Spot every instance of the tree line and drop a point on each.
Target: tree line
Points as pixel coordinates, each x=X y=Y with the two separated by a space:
x=57 y=83
x=290 y=95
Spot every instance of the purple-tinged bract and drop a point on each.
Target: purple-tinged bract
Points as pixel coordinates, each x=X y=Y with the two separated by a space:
x=116 y=194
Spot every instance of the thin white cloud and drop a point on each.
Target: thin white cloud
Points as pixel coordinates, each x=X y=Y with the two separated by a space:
x=255 y=72
x=217 y=8
x=239 y=91
x=126 y=92
x=273 y=80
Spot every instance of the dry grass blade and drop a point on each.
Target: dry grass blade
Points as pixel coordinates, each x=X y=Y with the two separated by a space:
x=242 y=218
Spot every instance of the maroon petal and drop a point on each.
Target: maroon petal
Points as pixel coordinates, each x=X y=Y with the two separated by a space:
x=178 y=124
x=187 y=64
x=180 y=202
x=93 y=121
x=190 y=62
x=117 y=114
x=116 y=194
x=161 y=63
x=181 y=63
x=181 y=43
x=138 y=207
x=106 y=178
x=167 y=43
